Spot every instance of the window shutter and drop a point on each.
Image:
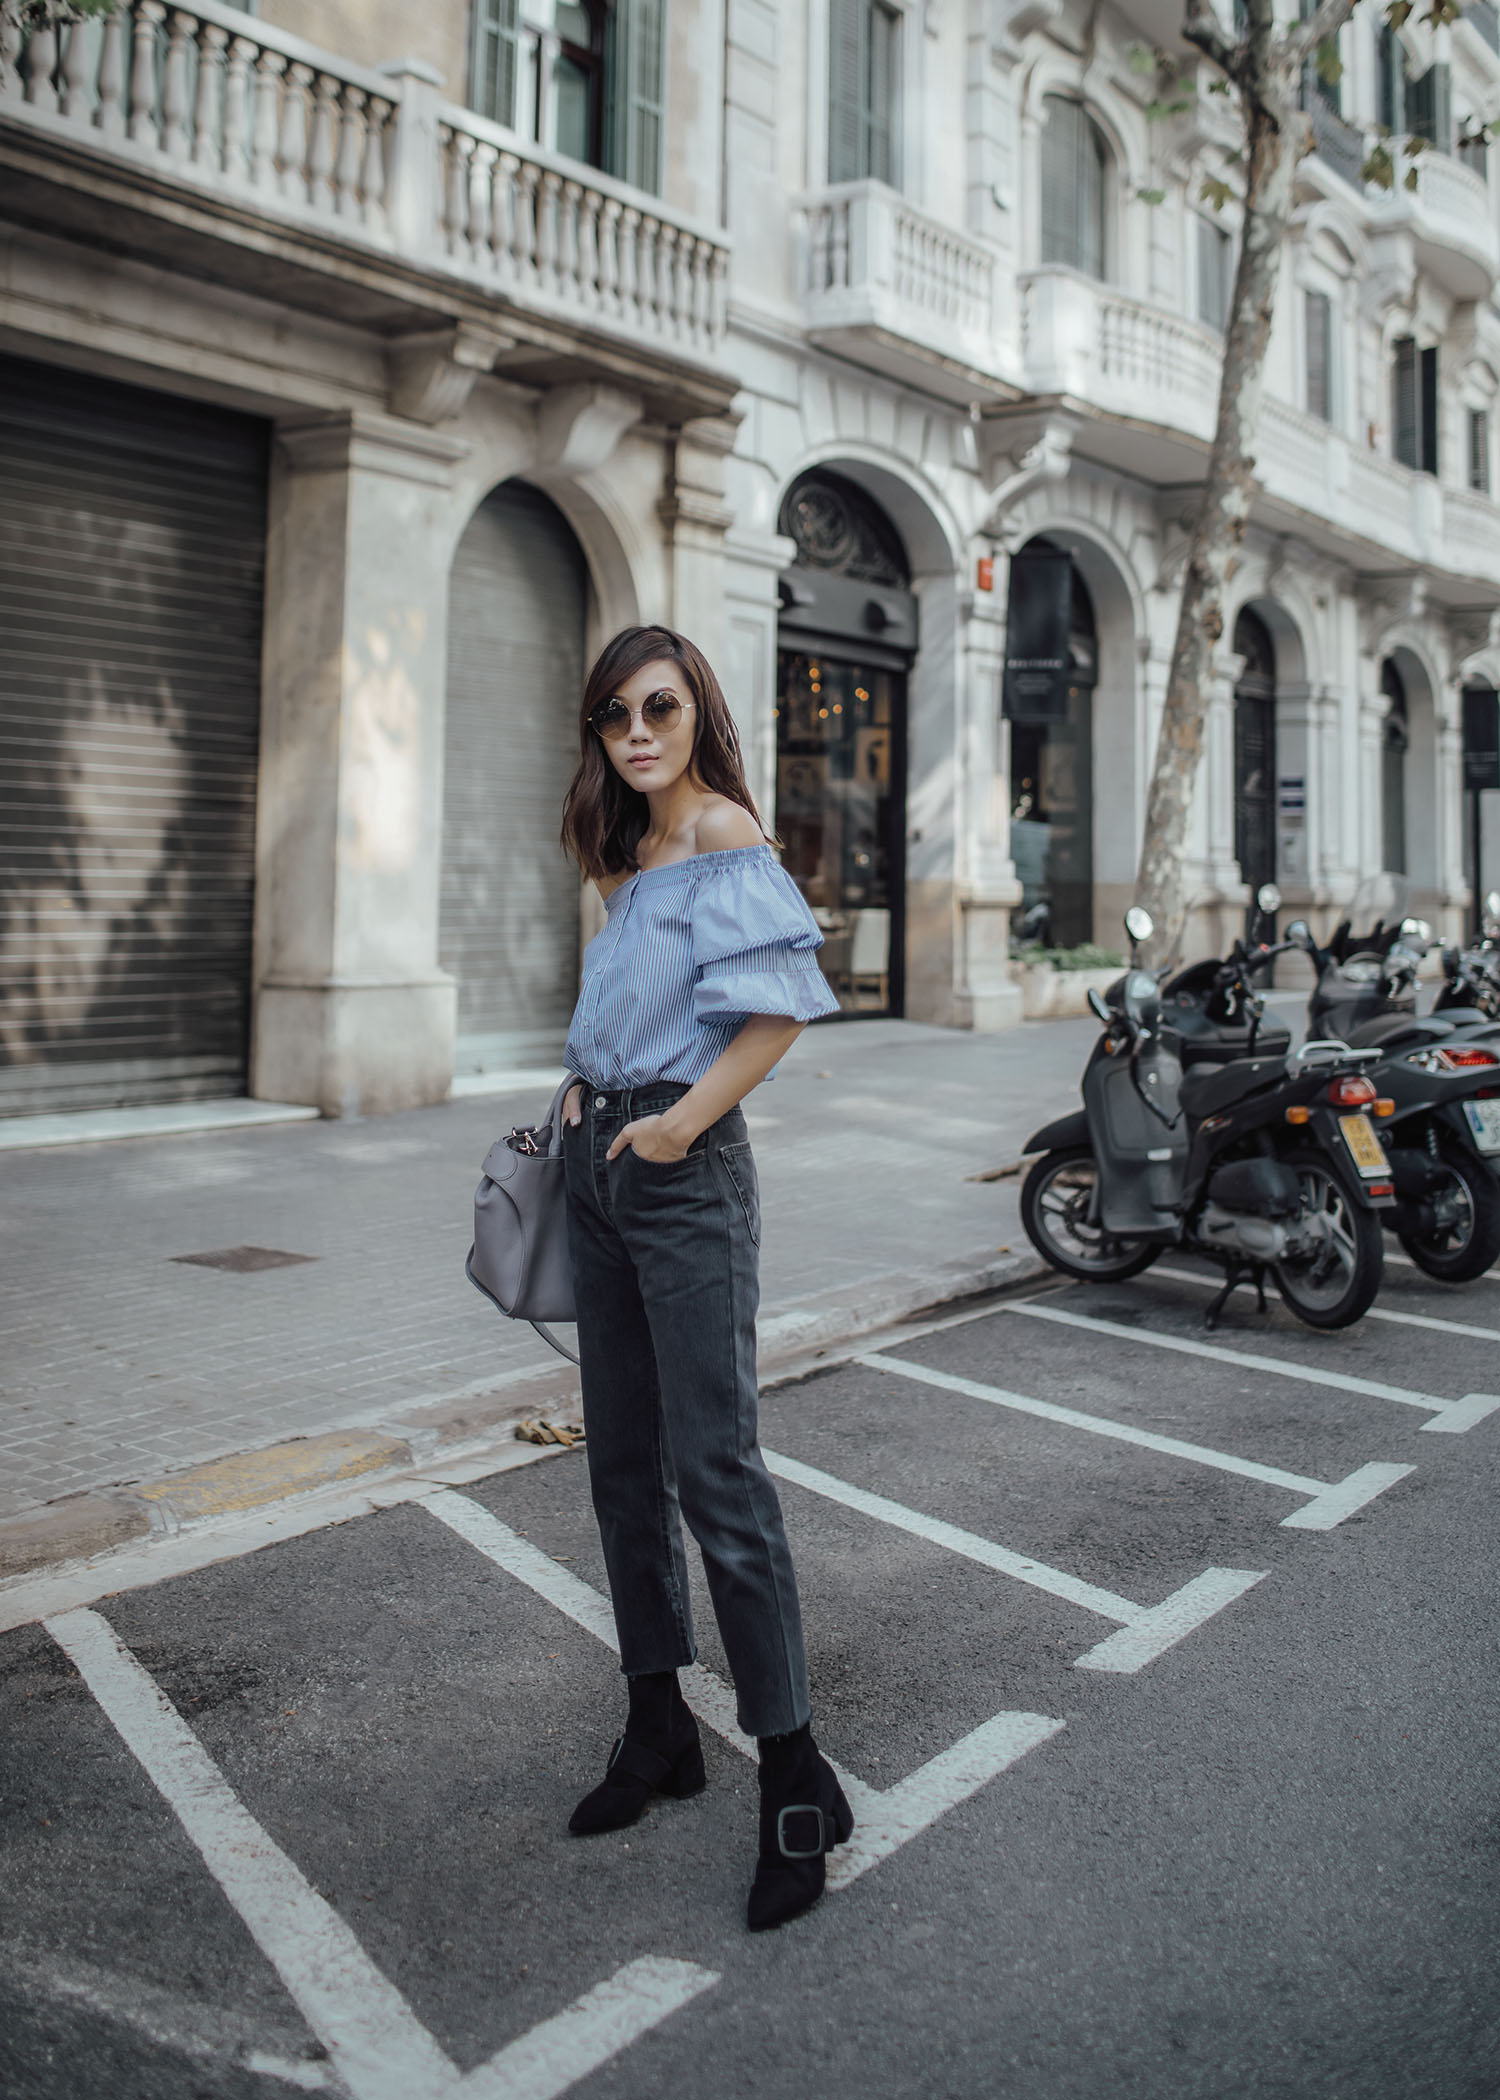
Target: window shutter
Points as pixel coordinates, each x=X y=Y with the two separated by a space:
x=492 y=59
x=1072 y=176
x=1395 y=84
x=644 y=25
x=1479 y=450
x=1059 y=172
x=1318 y=317
x=1428 y=460
x=1213 y=274
x=1090 y=198
x=846 y=72
x=882 y=81
x=1404 y=410
x=1429 y=107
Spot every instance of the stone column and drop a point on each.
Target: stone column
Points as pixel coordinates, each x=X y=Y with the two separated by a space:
x=753 y=563
x=1454 y=892
x=1298 y=709
x=352 y=1013
x=694 y=517
x=988 y=999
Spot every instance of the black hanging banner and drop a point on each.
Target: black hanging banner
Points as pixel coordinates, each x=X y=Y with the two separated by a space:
x=1481 y=738
x=1037 y=665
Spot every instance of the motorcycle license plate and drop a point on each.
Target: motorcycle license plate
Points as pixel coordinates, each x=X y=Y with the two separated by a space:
x=1365 y=1149
x=1484 y=1121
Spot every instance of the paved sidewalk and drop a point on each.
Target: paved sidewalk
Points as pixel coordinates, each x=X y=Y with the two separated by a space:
x=122 y=1362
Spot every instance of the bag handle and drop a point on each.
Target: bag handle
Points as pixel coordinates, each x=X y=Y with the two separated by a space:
x=548 y=1336
x=554 y=1121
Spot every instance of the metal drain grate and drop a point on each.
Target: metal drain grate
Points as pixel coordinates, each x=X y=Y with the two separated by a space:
x=243 y=1261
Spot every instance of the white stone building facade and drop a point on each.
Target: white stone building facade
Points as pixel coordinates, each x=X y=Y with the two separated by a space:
x=358 y=378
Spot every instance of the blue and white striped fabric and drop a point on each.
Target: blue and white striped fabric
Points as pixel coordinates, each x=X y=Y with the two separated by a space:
x=691 y=950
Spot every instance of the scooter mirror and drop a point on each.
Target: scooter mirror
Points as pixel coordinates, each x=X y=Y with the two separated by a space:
x=1139 y=923
x=1100 y=1010
x=1268 y=898
x=1300 y=932
x=1416 y=929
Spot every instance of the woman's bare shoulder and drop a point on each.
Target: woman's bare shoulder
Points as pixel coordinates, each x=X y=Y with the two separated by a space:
x=722 y=826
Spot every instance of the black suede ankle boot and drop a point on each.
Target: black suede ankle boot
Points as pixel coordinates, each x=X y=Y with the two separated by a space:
x=803 y=1815
x=659 y=1753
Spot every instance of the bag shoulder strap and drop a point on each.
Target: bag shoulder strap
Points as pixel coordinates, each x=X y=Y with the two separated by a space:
x=548 y=1336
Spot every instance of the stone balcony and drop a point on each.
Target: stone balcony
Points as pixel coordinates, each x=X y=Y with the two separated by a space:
x=202 y=139
x=902 y=294
x=1143 y=386
x=1451 y=221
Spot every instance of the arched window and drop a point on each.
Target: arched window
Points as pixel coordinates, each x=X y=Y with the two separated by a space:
x=1075 y=163
x=1394 y=742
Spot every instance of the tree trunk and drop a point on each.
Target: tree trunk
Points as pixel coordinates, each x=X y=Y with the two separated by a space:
x=1273 y=148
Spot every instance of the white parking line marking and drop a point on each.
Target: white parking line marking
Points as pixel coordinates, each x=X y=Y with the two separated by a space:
x=1331 y=1501
x=885 y=1818
x=1376 y=1312
x=1452 y=1417
x=1248 y=1360
x=1154 y=1627
x=378 y=2046
x=1404 y=1261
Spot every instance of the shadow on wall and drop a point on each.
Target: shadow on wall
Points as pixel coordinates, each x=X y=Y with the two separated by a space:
x=132 y=533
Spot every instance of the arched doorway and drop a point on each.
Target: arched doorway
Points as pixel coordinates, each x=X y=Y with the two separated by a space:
x=1255 y=752
x=847 y=637
x=1052 y=779
x=508 y=927
x=1395 y=741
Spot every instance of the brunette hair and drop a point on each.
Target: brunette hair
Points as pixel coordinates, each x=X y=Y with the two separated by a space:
x=604 y=817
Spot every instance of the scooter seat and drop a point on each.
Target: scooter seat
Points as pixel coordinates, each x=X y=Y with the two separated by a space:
x=1206 y=1089
x=1390 y=1031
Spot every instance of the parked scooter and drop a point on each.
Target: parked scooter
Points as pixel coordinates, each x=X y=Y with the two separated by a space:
x=1264 y=1163
x=1471 y=976
x=1441 y=1073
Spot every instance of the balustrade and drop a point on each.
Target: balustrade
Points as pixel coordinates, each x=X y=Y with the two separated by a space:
x=207 y=95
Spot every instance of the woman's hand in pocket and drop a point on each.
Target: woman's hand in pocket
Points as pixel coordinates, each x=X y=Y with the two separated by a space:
x=572 y=1108
x=650 y=1139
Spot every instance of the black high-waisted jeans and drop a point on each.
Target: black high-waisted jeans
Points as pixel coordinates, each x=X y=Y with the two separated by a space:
x=665 y=1273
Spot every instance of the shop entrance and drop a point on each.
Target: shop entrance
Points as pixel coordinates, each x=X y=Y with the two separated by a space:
x=847 y=637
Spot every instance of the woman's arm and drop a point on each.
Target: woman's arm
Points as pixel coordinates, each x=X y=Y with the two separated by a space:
x=762 y=1042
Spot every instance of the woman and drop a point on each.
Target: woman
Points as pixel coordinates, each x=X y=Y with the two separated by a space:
x=703 y=977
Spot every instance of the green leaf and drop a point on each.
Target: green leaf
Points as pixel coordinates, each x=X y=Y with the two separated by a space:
x=1410 y=182
x=1152 y=196
x=1397 y=13
x=1142 y=60
x=1380 y=169
x=1214 y=192
x=1218 y=87
x=1330 y=65
x=1414 y=145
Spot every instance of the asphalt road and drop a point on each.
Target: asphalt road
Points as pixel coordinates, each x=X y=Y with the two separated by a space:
x=1159 y=1794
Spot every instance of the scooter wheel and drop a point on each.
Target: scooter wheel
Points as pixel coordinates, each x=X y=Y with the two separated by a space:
x=1468 y=1247
x=1338 y=1287
x=1055 y=1199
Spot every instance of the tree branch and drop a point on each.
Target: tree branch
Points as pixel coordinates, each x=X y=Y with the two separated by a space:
x=1200 y=27
x=1303 y=38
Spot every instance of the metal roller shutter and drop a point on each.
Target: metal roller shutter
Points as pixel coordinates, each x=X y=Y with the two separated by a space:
x=517 y=606
x=132 y=553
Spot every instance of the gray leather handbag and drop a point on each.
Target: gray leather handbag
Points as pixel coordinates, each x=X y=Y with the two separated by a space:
x=519 y=1258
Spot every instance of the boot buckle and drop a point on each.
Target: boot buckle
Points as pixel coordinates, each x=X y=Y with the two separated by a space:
x=802 y=1808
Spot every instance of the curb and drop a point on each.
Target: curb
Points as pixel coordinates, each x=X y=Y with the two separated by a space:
x=793 y=1343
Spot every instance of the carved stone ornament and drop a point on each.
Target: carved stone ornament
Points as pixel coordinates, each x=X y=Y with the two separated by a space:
x=431 y=374
x=578 y=427
x=836 y=527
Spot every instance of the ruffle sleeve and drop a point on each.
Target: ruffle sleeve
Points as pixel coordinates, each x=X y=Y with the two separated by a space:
x=755 y=944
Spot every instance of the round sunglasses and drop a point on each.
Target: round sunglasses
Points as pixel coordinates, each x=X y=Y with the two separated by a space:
x=659 y=712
